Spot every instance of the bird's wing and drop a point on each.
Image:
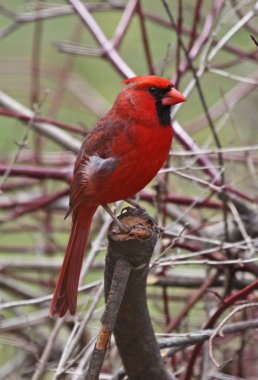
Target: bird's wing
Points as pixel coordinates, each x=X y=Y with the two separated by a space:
x=98 y=157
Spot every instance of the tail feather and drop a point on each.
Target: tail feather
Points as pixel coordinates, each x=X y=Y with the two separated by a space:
x=65 y=294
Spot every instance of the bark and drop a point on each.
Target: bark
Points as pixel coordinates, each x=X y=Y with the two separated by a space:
x=133 y=331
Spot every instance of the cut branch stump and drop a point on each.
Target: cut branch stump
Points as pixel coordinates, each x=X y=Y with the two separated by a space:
x=126 y=314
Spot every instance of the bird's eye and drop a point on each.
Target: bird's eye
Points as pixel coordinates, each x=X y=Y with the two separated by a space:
x=153 y=90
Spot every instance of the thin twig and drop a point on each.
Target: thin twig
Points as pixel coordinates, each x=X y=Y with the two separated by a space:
x=218 y=331
x=254 y=40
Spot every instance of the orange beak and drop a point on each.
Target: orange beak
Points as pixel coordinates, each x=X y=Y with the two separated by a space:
x=173 y=97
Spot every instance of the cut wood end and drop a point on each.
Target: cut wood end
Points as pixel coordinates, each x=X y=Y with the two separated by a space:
x=140 y=226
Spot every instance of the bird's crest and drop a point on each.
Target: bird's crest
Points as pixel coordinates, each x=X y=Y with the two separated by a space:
x=148 y=80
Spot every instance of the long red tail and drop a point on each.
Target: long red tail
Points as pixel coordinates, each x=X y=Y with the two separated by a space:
x=65 y=294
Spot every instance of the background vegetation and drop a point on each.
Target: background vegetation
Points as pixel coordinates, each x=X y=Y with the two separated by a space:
x=60 y=71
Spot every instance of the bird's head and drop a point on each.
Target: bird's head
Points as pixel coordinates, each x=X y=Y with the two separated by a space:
x=150 y=93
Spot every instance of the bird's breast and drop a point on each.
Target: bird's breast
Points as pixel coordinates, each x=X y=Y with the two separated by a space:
x=141 y=152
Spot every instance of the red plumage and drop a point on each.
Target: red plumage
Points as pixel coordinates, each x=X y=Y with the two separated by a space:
x=118 y=158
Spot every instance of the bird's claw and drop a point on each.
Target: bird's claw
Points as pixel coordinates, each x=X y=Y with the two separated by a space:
x=129 y=209
x=135 y=205
x=123 y=227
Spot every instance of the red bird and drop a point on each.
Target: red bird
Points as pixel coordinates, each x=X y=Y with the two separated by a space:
x=118 y=158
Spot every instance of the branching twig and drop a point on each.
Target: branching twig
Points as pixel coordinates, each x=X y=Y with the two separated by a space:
x=218 y=330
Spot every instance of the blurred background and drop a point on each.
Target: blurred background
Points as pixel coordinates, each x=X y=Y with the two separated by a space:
x=61 y=63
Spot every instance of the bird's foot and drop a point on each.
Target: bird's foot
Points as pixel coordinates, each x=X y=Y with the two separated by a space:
x=120 y=225
x=135 y=204
x=127 y=228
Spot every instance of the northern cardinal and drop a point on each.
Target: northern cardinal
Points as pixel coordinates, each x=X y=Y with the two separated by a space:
x=118 y=158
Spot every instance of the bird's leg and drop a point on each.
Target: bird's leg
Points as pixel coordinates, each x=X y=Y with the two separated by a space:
x=134 y=204
x=115 y=219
